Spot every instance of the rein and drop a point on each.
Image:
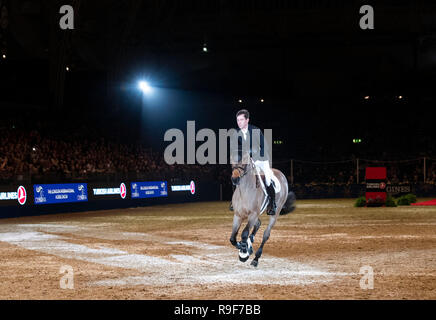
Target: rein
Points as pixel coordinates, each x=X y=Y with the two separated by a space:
x=245 y=170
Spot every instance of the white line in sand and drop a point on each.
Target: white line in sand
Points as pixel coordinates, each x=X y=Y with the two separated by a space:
x=206 y=265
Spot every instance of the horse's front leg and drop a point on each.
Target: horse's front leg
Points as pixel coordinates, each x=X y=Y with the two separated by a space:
x=235 y=228
x=255 y=229
x=246 y=248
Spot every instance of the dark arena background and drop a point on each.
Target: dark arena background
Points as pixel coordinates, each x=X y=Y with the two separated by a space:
x=90 y=209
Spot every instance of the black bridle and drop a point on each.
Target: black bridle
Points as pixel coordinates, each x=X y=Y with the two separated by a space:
x=244 y=169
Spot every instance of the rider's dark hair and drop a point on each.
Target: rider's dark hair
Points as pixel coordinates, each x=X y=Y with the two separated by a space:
x=244 y=112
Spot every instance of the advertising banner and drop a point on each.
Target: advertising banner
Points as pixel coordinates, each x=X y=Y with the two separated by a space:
x=375 y=186
x=149 y=189
x=60 y=193
x=19 y=195
x=106 y=191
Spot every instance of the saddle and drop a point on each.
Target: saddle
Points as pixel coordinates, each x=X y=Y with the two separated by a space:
x=274 y=180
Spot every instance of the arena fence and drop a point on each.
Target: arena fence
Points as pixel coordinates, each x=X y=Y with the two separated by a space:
x=418 y=170
x=346 y=178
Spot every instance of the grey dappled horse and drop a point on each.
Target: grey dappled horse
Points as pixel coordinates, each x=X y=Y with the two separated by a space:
x=247 y=200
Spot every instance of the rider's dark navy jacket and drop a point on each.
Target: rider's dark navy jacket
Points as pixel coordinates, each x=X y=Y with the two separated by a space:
x=258 y=148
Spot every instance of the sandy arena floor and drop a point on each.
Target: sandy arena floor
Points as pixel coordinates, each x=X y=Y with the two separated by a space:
x=182 y=252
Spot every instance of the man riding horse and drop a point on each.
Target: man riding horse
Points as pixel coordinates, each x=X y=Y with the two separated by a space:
x=258 y=150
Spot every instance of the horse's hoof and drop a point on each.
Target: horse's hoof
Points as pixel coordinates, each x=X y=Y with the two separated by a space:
x=243 y=255
x=243 y=259
x=254 y=263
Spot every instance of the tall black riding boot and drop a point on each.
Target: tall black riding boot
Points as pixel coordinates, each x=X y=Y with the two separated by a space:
x=272 y=199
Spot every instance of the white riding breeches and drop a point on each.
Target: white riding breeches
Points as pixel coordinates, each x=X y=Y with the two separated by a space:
x=266 y=169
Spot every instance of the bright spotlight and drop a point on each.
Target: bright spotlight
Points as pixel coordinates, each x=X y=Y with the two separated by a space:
x=144 y=86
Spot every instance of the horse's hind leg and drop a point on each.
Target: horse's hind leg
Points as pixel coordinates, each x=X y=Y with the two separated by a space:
x=266 y=235
x=235 y=228
x=255 y=229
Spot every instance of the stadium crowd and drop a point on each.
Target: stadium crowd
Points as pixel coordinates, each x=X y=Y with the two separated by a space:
x=28 y=154
x=32 y=154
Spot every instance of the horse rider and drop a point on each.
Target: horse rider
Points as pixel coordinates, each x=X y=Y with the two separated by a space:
x=258 y=151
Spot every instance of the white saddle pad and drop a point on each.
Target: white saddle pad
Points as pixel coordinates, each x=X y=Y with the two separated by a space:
x=277 y=189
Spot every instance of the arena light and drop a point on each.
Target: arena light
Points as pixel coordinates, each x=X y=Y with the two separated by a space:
x=144 y=86
x=4 y=56
x=240 y=100
x=366 y=97
x=261 y=100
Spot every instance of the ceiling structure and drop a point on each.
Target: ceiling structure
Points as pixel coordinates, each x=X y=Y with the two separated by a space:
x=288 y=51
x=278 y=45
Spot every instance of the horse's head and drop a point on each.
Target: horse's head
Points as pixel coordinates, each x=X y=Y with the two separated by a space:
x=238 y=172
x=240 y=168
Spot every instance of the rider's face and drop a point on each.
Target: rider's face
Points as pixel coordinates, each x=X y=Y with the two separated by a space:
x=242 y=121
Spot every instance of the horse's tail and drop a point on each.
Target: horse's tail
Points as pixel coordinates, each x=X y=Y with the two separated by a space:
x=289 y=205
